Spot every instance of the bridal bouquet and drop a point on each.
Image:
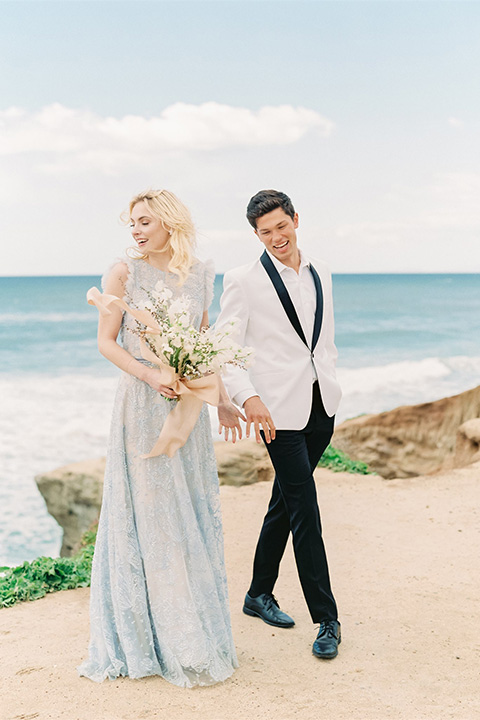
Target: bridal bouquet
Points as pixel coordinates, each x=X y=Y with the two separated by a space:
x=189 y=360
x=191 y=353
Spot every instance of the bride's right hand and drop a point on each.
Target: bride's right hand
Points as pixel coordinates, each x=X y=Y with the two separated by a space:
x=153 y=378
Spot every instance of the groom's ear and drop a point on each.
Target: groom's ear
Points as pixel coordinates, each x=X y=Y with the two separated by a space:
x=295 y=221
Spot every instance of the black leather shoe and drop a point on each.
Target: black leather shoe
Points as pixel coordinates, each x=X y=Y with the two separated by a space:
x=328 y=639
x=265 y=606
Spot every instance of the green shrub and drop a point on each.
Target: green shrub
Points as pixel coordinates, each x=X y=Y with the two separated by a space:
x=33 y=580
x=338 y=461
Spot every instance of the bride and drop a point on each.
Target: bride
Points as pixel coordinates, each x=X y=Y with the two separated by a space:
x=159 y=600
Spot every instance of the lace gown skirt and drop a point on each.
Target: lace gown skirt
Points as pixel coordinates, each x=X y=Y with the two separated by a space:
x=159 y=600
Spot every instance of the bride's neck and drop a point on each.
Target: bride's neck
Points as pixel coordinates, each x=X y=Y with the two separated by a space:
x=159 y=261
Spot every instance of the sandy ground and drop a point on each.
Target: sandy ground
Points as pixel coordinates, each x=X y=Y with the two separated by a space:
x=404 y=562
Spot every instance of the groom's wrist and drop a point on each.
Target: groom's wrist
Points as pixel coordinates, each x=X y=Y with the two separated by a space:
x=241 y=397
x=252 y=397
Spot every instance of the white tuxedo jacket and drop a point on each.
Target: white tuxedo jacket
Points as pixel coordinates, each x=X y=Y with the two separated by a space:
x=282 y=371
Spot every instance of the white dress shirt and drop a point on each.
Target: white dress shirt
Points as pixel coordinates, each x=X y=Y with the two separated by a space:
x=302 y=291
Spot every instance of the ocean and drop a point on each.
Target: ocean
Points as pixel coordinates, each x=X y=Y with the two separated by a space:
x=402 y=339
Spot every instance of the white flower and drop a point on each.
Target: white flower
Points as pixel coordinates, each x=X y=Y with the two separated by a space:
x=215 y=365
x=188 y=345
x=178 y=311
x=191 y=352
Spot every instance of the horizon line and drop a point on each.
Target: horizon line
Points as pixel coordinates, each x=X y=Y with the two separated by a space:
x=411 y=272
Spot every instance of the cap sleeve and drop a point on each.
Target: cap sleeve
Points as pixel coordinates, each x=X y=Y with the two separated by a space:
x=209 y=282
x=130 y=275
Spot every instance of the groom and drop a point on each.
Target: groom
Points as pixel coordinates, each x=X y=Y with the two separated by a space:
x=283 y=302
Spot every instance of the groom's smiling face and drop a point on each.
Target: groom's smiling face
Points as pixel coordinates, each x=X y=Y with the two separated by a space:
x=276 y=230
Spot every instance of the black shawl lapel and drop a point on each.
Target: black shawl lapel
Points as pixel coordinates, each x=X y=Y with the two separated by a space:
x=319 y=309
x=283 y=295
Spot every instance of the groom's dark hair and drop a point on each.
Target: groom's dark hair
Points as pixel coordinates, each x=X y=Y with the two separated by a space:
x=264 y=202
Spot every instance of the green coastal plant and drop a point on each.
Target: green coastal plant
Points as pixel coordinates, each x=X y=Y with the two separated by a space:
x=338 y=461
x=33 y=580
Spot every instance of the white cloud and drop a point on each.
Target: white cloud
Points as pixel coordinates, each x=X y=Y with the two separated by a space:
x=432 y=228
x=374 y=233
x=62 y=211
x=63 y=138
x=449 y=201
x=456 y=123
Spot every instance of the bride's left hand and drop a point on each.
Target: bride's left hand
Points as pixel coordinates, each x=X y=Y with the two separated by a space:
x=229 y=418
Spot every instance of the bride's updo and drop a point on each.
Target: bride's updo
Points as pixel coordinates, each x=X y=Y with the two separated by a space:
x=176 y=218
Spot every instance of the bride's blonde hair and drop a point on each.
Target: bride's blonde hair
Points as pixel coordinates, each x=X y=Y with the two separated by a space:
x=176 y=218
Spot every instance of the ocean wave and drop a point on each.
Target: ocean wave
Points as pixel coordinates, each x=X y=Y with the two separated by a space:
x=374 y=378
x=377 y=388
x=25 y=318
x=46 y=422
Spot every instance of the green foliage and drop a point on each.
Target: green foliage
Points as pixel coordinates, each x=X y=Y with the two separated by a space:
x=90 y=536
x=33 y=580
x=338 y=461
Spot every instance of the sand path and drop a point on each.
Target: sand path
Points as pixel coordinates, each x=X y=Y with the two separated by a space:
x=404 y=564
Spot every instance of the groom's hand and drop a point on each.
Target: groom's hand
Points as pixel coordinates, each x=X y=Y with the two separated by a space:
x=258 y=416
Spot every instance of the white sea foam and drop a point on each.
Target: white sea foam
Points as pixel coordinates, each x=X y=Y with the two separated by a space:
x=45 y=422
x=376 y=378
x=23 y=318
x=378 y=388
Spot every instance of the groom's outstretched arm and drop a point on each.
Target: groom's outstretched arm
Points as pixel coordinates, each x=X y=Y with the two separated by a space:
x=234 y=305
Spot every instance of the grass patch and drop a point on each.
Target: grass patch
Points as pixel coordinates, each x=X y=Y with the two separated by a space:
x=338 y=461
x=33 y=580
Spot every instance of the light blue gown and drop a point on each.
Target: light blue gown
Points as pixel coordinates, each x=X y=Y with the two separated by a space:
x=159 y=600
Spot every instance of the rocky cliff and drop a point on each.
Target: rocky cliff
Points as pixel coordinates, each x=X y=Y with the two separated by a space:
x=416 y=439
x=408 y=441
x=73 y=493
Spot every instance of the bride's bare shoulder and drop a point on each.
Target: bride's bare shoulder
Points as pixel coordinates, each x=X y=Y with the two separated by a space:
x=115 y=279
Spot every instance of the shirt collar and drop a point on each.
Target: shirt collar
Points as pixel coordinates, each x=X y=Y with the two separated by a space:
x=304 y=262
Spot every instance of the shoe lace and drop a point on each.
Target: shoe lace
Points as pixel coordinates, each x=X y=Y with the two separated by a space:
x=327 y=629
x=270 y=600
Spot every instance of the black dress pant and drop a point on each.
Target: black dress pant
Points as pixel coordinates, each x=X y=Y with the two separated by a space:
x=293 y=507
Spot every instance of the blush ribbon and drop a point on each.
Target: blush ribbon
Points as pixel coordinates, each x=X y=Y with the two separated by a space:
x=192 y=393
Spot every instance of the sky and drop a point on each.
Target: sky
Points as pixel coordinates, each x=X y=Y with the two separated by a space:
x=366 y=113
